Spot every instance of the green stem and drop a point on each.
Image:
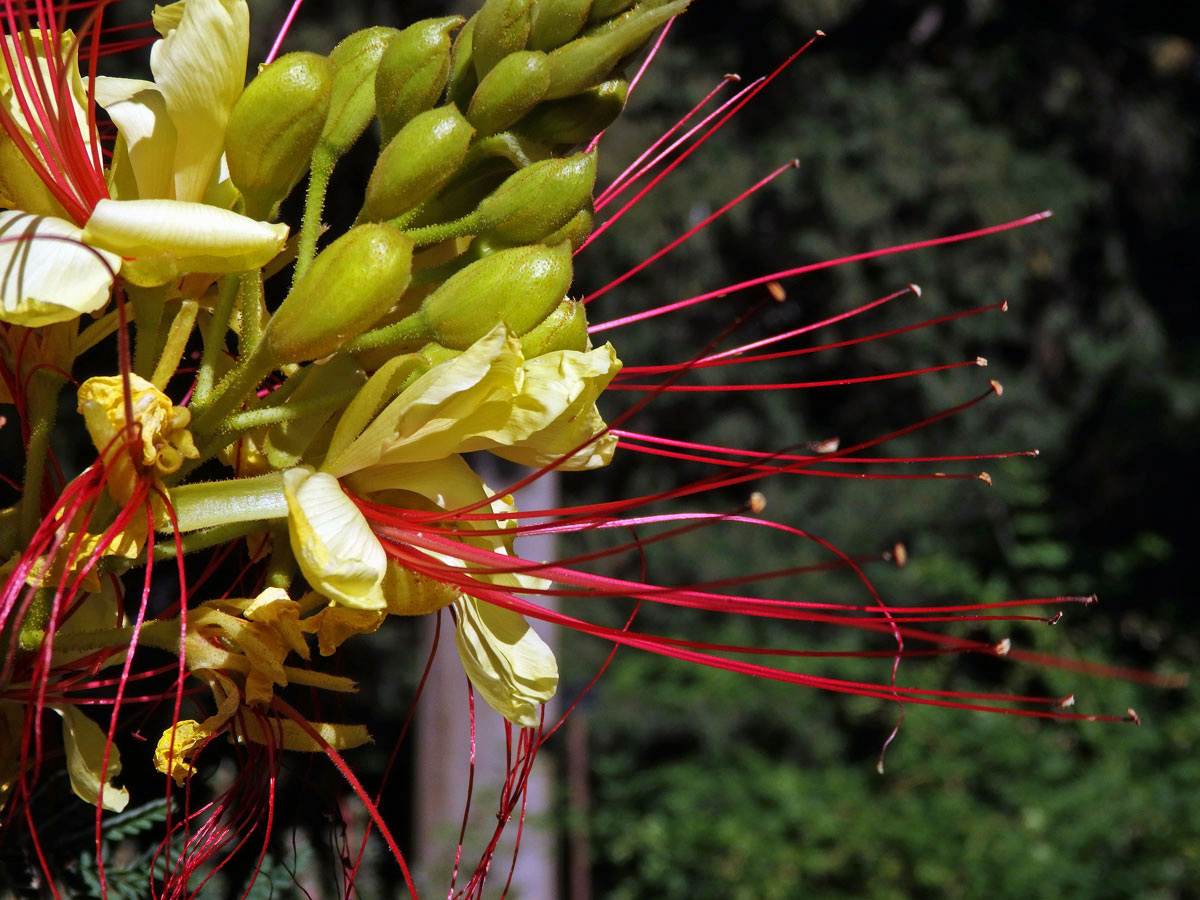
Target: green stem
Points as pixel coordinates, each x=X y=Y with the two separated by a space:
x=274 y=415
x=228 y=396
x=202 y=540
x=210 y=504
x=282 y=570
x=163 y=634
x=323 y=160
x=435 y=234
x=147 y=314
x=214 y=342
x=43 y=409
x=250 y=312
x=389 y=337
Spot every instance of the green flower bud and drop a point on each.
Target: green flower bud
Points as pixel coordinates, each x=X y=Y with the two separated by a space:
x=274 y=127
x=578 y=119
x=502 y=28
x=575 y=231
x=606 y=9
x=348 y=287
x=462 y=81
x=518 y=287
x=416 y=163
x=511 y=89
x=557 y=21
x=563 y=329
x=413 y=72
x=588 y=60
x=538 y=199
x=352 y=106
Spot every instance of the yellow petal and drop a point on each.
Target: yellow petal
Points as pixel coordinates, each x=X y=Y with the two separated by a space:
x=334 y=545
x=200 y=67
x=139 y=111
x=335 y=624
x=442 y=409
x=510 y=666
x=555 y=412
x=194 y=237
x=47 y=275
x=85 y=745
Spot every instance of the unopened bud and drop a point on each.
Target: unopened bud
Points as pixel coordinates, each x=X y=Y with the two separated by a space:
x=587 y=61
x=519 y=287
x=502 y=27
x=606 y=9
x=578 y=119
x=563 y=329
x=274 y=127
x=462 y=81
x=576 y=231
x=535 y=201
x=352 y=105
x=345 y=291
x=511 y=89
x=416 y=163
x=413 y=72
x=557 y=21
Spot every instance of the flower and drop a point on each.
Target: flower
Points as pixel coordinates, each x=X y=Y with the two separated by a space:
x=160 y=210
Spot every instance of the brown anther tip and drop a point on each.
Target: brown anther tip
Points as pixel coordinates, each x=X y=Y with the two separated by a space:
x=775 y=289
x=1133 y=716
x=1004 y=306
x=915 y=288
x=997 y=387
x=899 y=555
x=1002 y=648
x=758 y=502
x=1055 y=619
x=985 y=478
x=1066 y=702
x=795 y=162
x=981 y=361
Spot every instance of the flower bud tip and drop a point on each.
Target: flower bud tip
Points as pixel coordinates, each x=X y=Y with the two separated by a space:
x=758 y=502
x=1133 y=716
x=1003 y=647
x=915 y=288
x=981 y=361
x=775 y=289
x=997 y=387
x=985 y=478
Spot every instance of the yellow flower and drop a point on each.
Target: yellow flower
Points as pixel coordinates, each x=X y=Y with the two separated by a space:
x=161 y=430
x=408 y=455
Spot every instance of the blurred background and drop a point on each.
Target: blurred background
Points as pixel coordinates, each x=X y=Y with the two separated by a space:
x=911 y=120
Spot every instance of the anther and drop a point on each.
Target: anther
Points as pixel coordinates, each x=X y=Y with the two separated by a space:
x=981 y=361
x=775 y=289
x=820 y=33
x=829 y=445
x=997 y=387
x=758 y=502
x=1133 y=716
x=1002 y=648
x=1066 y=702
x=1004 y=306
x=915 y=288
x=899 y=555
x=1055 y=619
x=985 y=478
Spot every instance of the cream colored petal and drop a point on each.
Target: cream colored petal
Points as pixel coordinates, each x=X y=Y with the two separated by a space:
x=85 y=745
x=443 y=408
x=47 y=274
x=555 y=413
x=334 y=545
x=510 y=666
x=200 y=67
x=139 y=111
x=198 y=238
